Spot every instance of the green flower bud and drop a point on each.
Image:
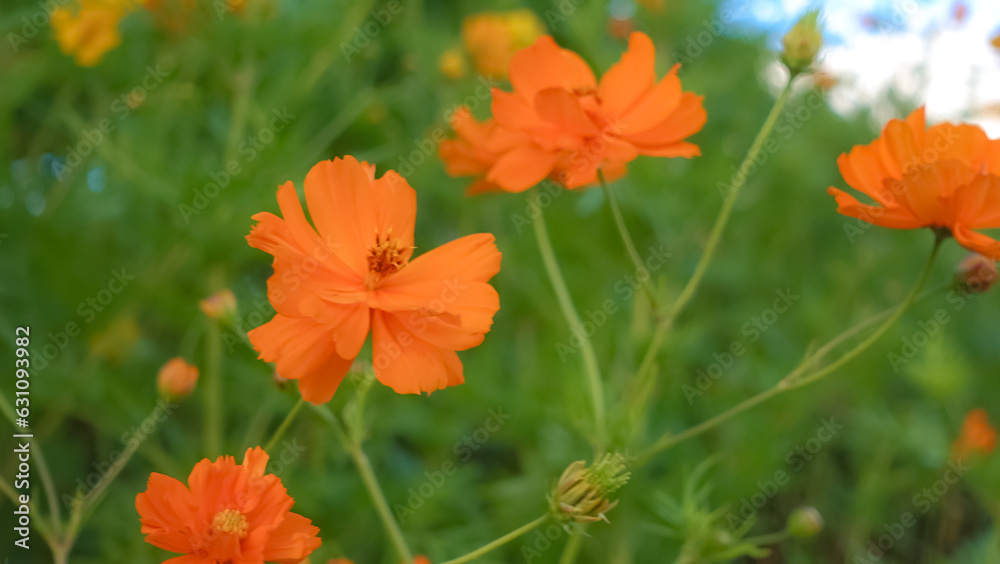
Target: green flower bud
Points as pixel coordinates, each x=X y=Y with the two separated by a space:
x=802 y=43
x=581 y=493
x=804 y=522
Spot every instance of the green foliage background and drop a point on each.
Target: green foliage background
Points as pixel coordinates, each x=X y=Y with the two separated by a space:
x=226 y=75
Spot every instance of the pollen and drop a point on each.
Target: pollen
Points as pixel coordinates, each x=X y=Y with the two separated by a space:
x=386 y=256
x=230 y=521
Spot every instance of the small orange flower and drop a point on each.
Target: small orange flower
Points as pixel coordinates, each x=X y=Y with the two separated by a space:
x=354 y=272
x=942 y=177
x=492 y=38
x=220 y=306
x=176 y=379
x=977 y=435
x=228 y=512
x=561 y=122
x=995 y=41
x=90 y=30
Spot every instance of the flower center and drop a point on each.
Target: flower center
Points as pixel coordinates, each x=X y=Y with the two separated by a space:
x=231 y=522
x=384 y=258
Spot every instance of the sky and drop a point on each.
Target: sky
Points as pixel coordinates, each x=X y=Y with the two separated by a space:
x=918 y=52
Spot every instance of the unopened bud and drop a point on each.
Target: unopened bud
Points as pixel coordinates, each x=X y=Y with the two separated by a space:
x=976 y=274
x=802 y=43
x=804 y=522
x=581 y=495
x=176 y=379
x=220 y=306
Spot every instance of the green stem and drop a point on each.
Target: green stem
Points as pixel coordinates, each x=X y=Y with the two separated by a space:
x=381 y=505
x=499 y=542
x=795 y=379
x=573 y=319
x=213 y=391
x=716 y=234
x=627 y=240
x=572 y=549
x=371 y=483
x=284 y=425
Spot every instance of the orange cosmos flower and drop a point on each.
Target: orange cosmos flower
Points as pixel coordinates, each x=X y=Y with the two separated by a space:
x=977 y=435
x=942 y=177
x=228 y=512
x=176 y=379
x=355 y=272
x=561 y=122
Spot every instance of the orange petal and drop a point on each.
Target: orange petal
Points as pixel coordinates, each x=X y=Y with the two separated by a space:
x=164 y=509
x=545 y=65
x=292 y=541
x=974 y=241
x=522 y=167
x=892 y=217
x=408 y=364
x=865 y=171
x=631 y=77
x=655 y=106
x=687 y=119
x=559 y=107
x=978 y=203
x=683 y=149
x=190 y=559
x=899 y=144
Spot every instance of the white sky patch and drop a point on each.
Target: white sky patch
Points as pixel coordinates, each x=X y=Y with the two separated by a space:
x=914 y=52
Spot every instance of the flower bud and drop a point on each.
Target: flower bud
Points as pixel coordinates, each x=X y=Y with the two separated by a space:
x=220 y=306
x=976 y=274
x=802 y=43
x=804 y=522
x=581 y=493
x=176 y=379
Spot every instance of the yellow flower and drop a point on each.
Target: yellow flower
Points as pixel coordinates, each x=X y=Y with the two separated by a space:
x=492 y=38
x=451 y=63
x=91 y=30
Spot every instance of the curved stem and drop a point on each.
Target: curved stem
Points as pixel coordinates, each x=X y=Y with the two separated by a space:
x=499 y=542
x=795 y=379
x=381 y=505
x=627 y=240
x=716 y=234
x=573 y=319
x=284 y=425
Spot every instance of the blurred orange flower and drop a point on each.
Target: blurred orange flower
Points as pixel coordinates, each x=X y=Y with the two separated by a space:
x=995 y=41
x=90 y=29
x=561 y=122
x=176 y=379
x=228 y=512
x=354 y=272
x=977 y=435
x=942 y=177
x=220 y=305
x=492 y=38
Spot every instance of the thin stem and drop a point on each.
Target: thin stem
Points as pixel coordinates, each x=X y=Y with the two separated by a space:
x=499 y=542
x=284 y=425
x=716 y=234
x=573 y=319
x=627 y=240
x=370 y=481
x=795 y=379
x=572 y=549
x=48 y=485
x=213 y=392
x=381 y=505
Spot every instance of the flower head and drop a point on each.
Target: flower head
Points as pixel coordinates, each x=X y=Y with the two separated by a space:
x=176 y=379
x=976 y=274
x=802 y=43
x=943 y=177
x=492 y=38
x=977 y=435
x=90 y=29
x=228 y=512
x=561 y=122
x=581 y=495
x=220 y=306
x=355 y=272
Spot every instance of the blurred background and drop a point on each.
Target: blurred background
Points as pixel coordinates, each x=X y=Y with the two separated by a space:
x=136 y=145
